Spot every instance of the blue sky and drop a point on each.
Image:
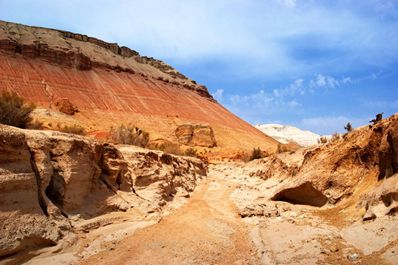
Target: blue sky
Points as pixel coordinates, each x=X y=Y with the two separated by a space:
x=313 y=64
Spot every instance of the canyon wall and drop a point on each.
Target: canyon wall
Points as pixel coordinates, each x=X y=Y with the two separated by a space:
x=51 y=182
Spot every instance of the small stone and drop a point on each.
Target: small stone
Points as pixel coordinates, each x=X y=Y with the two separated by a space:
x=353 y=257
x=334 y=248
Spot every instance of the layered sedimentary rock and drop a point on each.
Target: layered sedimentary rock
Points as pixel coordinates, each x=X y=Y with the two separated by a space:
x=196 y=135
x=48 y=180
x=110 y=84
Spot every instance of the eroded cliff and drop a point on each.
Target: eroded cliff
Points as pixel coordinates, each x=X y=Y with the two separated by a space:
x=50 y=182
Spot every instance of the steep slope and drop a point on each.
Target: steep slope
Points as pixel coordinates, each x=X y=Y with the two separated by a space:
x=110 y=85
x=286 y=134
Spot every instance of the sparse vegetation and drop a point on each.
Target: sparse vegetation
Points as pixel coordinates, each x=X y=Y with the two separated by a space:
x=322 y=140
x=378 y=118
x=282 y=148
x=129 y=135
x=348 y=127
x=335 y=137
x=256 y=154
x=73 y=129
x=191 y=152
x=14 y=110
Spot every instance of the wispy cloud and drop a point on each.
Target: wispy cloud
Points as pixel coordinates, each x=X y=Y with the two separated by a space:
x=218 y=95
x=330 y=124
x=254 y=38
x=301 y=87
x=288 y=3
x=270 y=101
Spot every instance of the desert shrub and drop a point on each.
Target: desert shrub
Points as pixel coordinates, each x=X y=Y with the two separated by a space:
x=129 y=135
x=282 y=148
x=322 y=140
x=378 y=118
x=256 y=154
x=335 y=137
x=348 y=127
x=14 y=110
x=73 y=129
x=191 y=152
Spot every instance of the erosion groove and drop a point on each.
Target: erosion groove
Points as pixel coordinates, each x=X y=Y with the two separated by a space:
x=42 y=202
x=304 y=194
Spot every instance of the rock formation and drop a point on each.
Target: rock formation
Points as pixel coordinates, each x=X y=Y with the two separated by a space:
x=110 y=84
x=48 y=180
x=196 y=135
x=354 y=164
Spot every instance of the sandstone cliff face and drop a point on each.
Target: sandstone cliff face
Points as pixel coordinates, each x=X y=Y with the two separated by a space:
x=49 y=180
x=110 y=85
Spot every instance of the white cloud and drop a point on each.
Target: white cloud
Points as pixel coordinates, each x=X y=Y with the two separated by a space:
x=259 y=98
x=288 y=3
x=302 y=87
x=245 y=35
x=218 y=95
x=322 y=81
x=297 y=87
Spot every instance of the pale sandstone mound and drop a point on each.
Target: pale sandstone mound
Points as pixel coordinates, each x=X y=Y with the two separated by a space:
x=51 y=180
x=286 y=134
x=110 y=85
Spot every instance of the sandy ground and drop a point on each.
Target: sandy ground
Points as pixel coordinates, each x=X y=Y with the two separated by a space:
x=229 y=220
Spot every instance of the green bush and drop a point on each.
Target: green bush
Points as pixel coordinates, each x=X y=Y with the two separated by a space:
x=14 y=110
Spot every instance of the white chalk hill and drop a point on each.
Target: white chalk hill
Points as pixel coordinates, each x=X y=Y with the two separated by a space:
x=286 y=134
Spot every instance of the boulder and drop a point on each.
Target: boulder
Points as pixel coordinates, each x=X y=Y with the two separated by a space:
x=196 y=135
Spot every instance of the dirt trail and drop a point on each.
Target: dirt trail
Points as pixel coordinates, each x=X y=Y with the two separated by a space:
x=206 y=230
x=229 y=219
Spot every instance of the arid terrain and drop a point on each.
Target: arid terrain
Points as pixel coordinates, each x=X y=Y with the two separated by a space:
x=84 y=199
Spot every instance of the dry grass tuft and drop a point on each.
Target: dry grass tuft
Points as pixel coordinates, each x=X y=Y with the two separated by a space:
x=14 y=110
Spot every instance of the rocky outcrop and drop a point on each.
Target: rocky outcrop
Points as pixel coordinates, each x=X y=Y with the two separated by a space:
x=344 y=166
x=381 y=200
x=41 y=50
x=48 y=177
x=65 y=106
x=196 y=135
x=113 y=47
